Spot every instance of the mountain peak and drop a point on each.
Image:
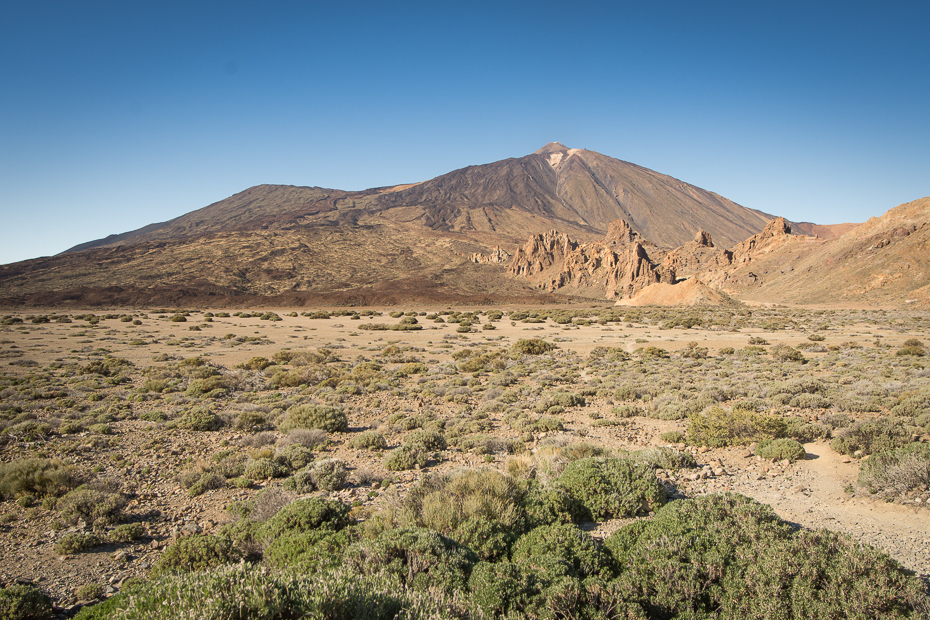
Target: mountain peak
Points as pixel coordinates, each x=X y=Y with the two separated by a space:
x=552 y=147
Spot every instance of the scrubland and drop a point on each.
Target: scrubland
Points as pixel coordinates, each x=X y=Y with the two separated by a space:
x=599 y=462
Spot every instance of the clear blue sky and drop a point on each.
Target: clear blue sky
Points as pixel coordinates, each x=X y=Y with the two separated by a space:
x=114 y=115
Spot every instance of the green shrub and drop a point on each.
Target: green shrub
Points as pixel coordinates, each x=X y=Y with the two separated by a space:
x=418 y=557
x=39 y=477
x=328 y=474
x=196 y=553
x=898 y=471
x=428 y=440
x=369 y=440
x=728 y=556
x=500 y=588
x=308 y=550
x=253 y=592
x=263 y=469
x=75 y=542
x=314 y=513
x=406 y=457
x=781 y=449
x=93 y=506
x=532 y=346
x=607 y=488
x=199 y=418
x=872 y=436
x=294 y=456
x=675 y=436
x=718 y=427
x=443 y=503
x=565 y=545
x=24 y=602
x=127 y=532
x=322 y=417
x=662 y=458
x=207 y=482
x=90 y=591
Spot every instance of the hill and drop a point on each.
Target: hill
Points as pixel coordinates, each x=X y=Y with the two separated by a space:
x=444 y=238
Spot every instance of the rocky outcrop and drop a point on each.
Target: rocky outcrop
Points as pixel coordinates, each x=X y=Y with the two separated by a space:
x=497 y=256
x=616 y=267
x=541 y=252
x=696 y=256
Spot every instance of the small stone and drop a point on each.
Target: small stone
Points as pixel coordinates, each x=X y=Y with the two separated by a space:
x=845 y=459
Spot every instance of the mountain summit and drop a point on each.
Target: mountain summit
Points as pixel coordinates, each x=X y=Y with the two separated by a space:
x=447 y=238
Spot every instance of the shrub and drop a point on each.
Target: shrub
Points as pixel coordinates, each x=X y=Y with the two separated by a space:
x=75 y=542
x=329 y=474
x=406 y=457
x=662 y=458
x=24 y=602
x=444 y=503
x=675 y=436
x=532 y=346
x=207 y=482
x=718 y=427
x=428 y=440
x=872 y=436
x=196 y=553
x=314 y=513
x=729 y=556
x=90 y=591
x=294 y=456
x=500 y=588
x=199 y=419
x=898 y=471
x=93 y=506
x=127 y=532
x=39 y=477
x=369 y=440
x=607 y=488
x=781 y=449
x=321 y=417
x=418 y=557
x=254 y=592
x=563 y=544
x=263 y=469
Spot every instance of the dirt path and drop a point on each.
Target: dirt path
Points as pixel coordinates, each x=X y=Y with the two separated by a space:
x=812 y=494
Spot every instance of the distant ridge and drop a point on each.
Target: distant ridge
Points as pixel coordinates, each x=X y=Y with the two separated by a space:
x=462 y=237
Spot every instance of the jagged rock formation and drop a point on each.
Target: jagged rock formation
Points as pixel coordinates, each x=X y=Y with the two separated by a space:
x=497 y=256
x=697 y=255
x=618 y=266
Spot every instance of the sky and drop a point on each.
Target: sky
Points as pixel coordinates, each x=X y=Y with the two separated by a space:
x=114 y=115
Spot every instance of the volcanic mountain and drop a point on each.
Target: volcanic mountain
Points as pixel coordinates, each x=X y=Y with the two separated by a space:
x=448 y=238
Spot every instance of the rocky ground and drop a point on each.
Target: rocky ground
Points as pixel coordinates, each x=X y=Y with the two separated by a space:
x=145 y=457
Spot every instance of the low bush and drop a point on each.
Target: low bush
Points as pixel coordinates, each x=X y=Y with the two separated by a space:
x=196 y=553
x=609 y=488
x=419 y=558
x=328 y=474
x=93 y=506
x=532 y=346
x=717 y=427
x=565 y=545
x=369 y=440
x=872 y=436
x=780 y=449
x=320 y=417
x=898 y=471
x=38 y=477
x=24 y=602
x=75 y=542
x=406 y=457
x=728 y=556
x=314 y=513
x=199 y=418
